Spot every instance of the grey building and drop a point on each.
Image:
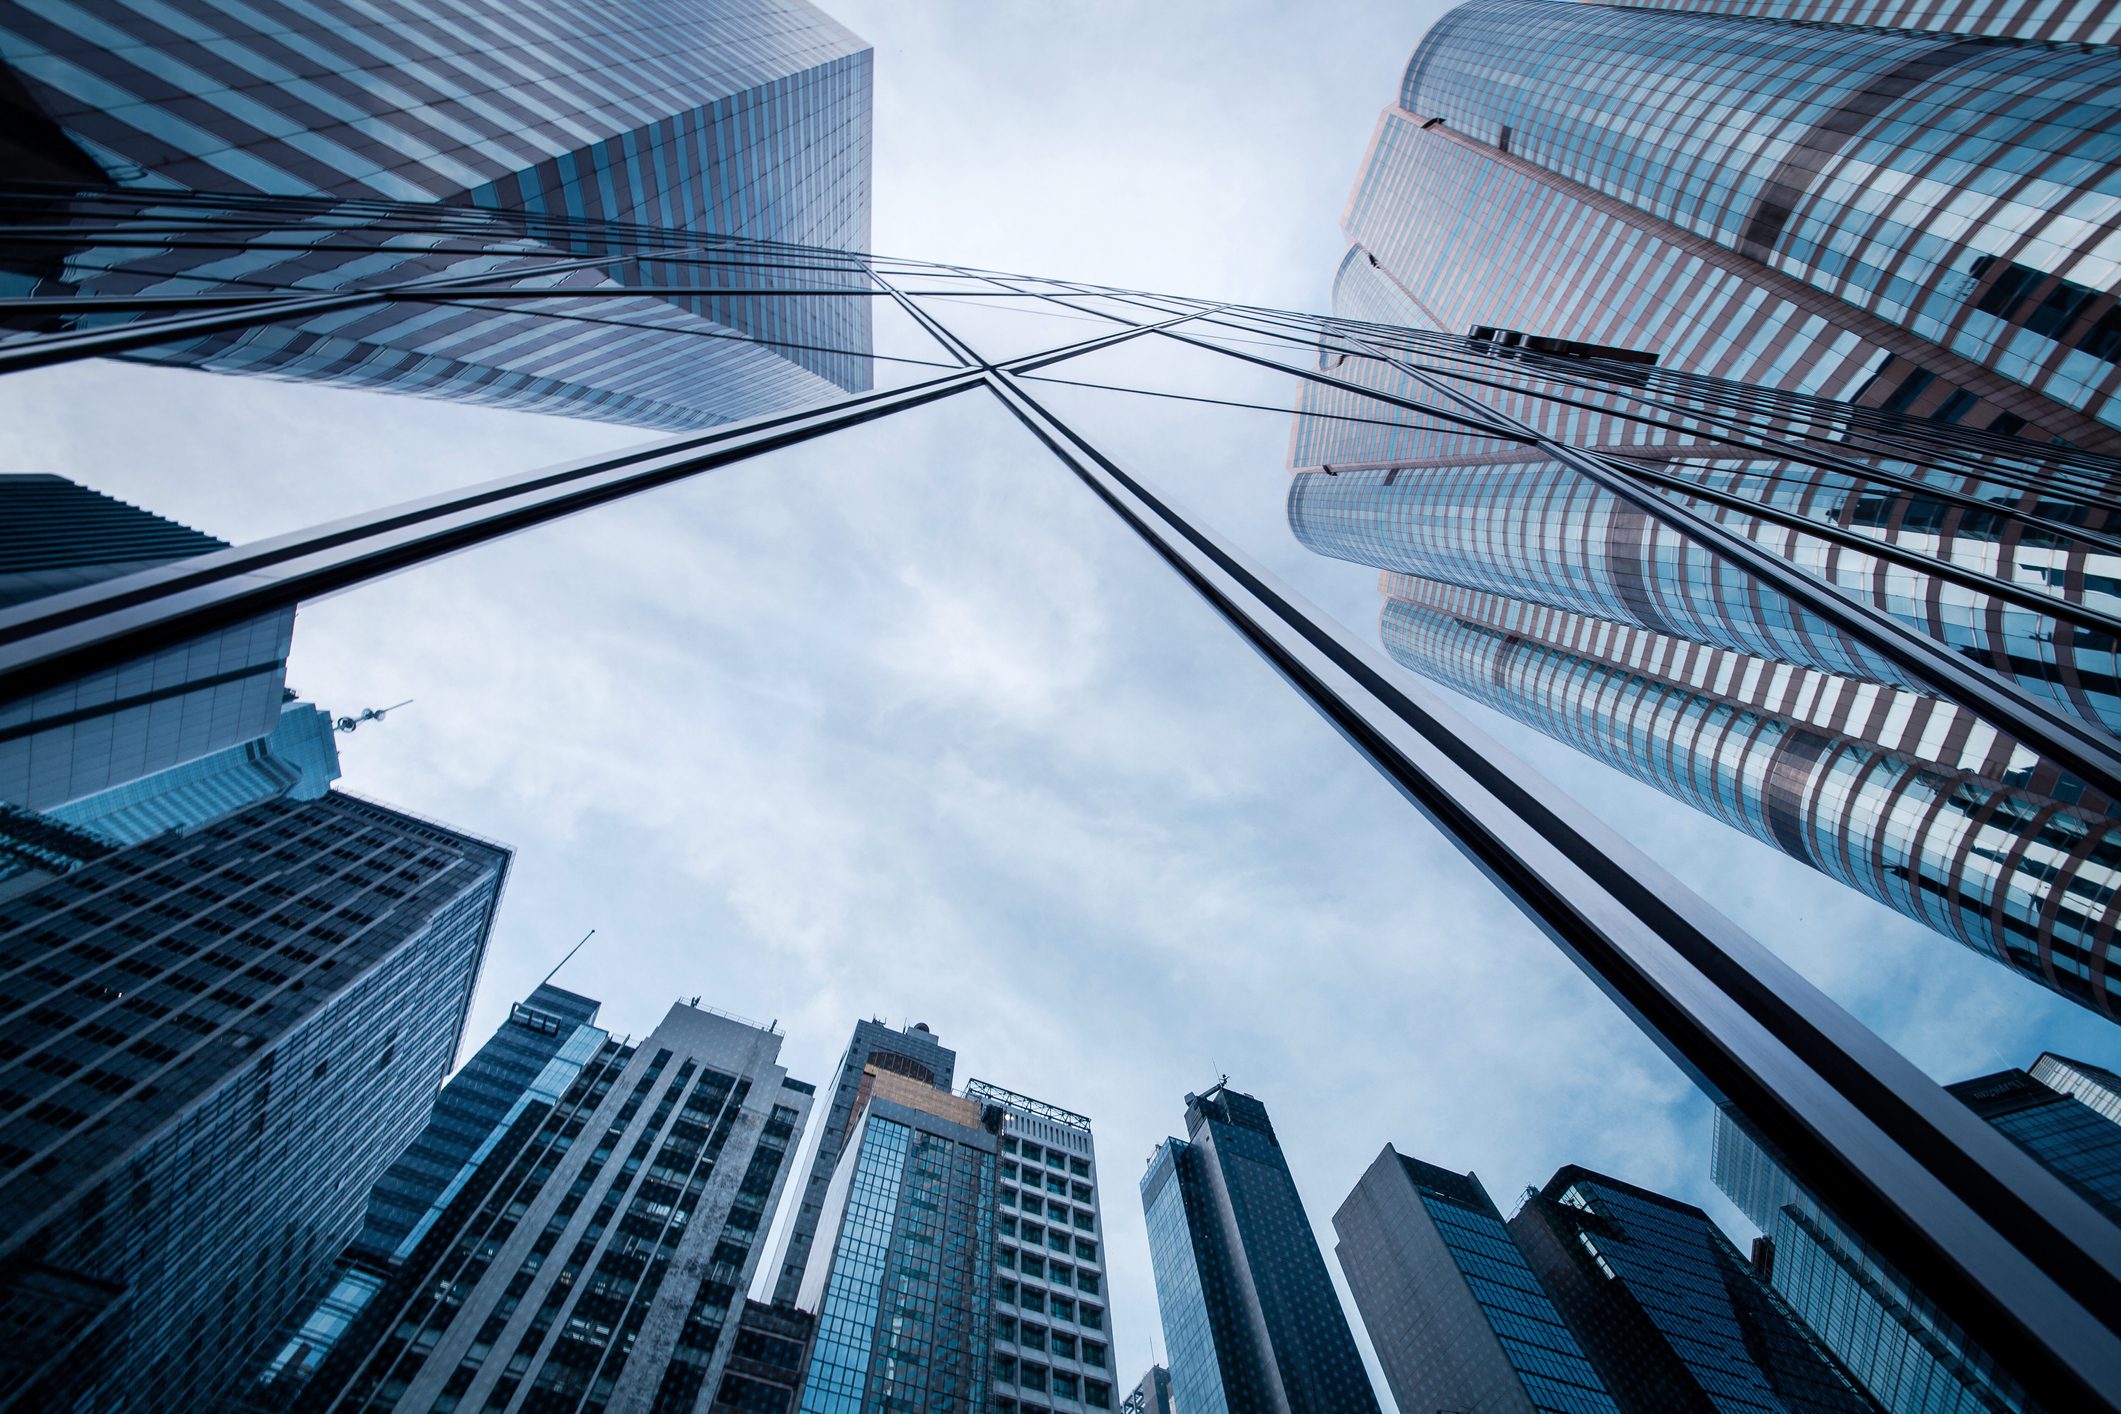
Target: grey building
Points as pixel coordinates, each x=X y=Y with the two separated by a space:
x=1052 y=1305
x=1906 y=1352
x=215 y=1043
x=765 y=1370
x=911 y=1051
x=113 y=727
x=1670 y=1314
x=1454 y=1311
x=1251 y=1321
x=902 y=1279
x=597 y=1255
x=533 y=1058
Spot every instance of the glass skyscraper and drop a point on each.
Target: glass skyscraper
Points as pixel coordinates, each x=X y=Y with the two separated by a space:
x=1666 y=1308
x=1251 y=1321
x=100 y=733
x=911 y=1051
x=537 y=1053
x=902 y=1278
x=1454 y=1312
x=1910 y=1356
x=216 y=1042
x=1764 y=198
x=726 y=117
x=596 y=1255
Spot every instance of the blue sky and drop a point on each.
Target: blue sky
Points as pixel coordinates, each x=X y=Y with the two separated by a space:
x=900 y=723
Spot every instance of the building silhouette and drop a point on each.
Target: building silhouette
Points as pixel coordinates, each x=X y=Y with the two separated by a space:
x=1665 y=1307
x=1250 y=1318
x=536 y=1054
x=745 y=118
x=911 y=1051
x=217 y=1042
x=599 y=1250
x=1454 y=1312
x=1888 y=1331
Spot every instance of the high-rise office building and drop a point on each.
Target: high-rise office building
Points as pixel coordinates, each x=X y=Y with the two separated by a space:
x=1907 y=1353
x=216 y=1042
x=1052 y=1304
x=535 y=1055
x=297 y=760
x=597 y=1255
x=912 y=1051
x=1811 y=244
x=1454 y=1312
x=766 y=1364
x=2093 y=1084
x=1667 y=1310
x=1251 y=1321
x=104 y=731
x=744 y=118
x=1152 y=1394
x=902 y=1277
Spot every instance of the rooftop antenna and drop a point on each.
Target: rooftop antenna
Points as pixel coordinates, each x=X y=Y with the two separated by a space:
x=369 y=714
x=570 y=952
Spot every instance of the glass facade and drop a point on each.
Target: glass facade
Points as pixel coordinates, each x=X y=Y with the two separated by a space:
x=597 y=1255
x=2095 y=1085
x=216 y=1042
x=1454 y=1312
x=1251 y=1320
x=106 y=730
x=736 y=117
x=1912 y=1357
x=1152 y=1394
x=903 y=1279
x=912 y=1051
x=1665 y=1307
x=1959 y=188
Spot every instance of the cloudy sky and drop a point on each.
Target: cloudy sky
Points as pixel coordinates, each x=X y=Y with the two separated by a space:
x=901 y=724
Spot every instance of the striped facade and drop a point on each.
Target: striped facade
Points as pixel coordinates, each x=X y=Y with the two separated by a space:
x=744 y=118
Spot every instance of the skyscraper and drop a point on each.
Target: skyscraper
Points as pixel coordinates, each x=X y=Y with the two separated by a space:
x=1809 y=244
x=1906 y=1352
x=725 y=117
x=215 y=1043
x=297 y=760
x=1251 y=1321
x=104 y=731
x=597 y=1254
x=902 y=1279
x=1152 y=1394
x=1052 y=1327
x=2095 y=1085
x=912 y=1051
x=1666 y=1309
x=1454 y=1312
x=532 y=1059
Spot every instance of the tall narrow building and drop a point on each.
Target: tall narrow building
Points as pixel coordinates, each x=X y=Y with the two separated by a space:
x=902 y=1278
x=1667 y=1310
x=598 y=1252
x=1906 y=1352
x=1251 y=1321
x=216 y=1043
x=1052 y=1303
x=532 y=1059
x=98 y=735
x=911 y=1051
x=1454 y=1312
